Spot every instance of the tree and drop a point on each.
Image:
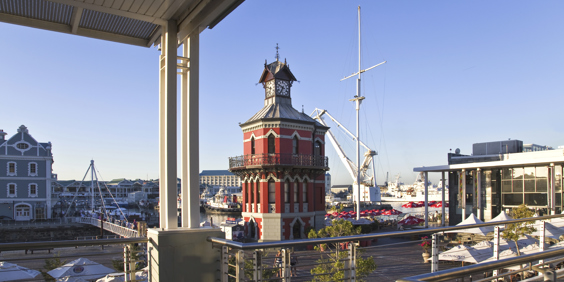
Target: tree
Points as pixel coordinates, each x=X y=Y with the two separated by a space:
x=51 y=264
x=515 y=231
x=330 y=265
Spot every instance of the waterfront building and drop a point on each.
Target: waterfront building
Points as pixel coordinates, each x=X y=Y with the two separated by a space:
x=327 y=183
x=220 y=178
x=283 y=167
x=501 y=175
x=26 y=173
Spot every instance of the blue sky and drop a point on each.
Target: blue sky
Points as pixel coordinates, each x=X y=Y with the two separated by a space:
x=458 y=72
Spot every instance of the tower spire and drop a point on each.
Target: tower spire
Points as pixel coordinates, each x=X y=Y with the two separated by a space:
x=277 y=55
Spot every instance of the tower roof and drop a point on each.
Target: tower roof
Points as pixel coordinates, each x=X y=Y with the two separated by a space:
x=276 y=70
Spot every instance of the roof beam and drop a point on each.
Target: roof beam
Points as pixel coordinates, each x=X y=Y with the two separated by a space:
x=63 y=28
x=202 y=15
x=109 y=10
x=75 y=19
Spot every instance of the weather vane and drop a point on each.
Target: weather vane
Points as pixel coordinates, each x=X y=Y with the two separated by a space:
x=277 y=55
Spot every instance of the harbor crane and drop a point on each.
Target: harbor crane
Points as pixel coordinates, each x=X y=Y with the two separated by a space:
x=368 y=187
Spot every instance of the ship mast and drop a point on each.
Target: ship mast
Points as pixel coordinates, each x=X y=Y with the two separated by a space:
x=358 y=100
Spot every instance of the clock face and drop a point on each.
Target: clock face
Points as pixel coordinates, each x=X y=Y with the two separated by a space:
x=283 y=88
x=269 y=87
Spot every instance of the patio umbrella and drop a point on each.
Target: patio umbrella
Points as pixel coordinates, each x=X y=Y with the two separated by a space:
x=472 y=219
x=81 y=268
x=140 y=276
x=12 y=272
x=410 y=220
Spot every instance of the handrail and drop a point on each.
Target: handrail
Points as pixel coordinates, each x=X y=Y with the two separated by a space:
x=69 y=243
x=301 y=242
x=481 y=267
x=278 y=159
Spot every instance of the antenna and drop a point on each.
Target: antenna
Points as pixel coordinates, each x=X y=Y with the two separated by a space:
x=277 y=55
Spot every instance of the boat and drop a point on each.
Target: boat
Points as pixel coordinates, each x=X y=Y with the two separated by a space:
x=399 y=192
x=223 y=202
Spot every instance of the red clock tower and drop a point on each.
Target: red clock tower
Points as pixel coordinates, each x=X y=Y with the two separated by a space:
x=283 y=167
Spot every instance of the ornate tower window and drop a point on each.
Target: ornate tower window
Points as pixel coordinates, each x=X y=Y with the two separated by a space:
x=12 y=190
x=32 y=169
x=252 y=145
x=295 y=191
x=271 y=192
x=317 y=149
x=271 y=144
x=258 y=191
x=287 y=191
x=32 y=190
x=252 y=195
x=295 y=145
x=305 y=191
x=12 y=169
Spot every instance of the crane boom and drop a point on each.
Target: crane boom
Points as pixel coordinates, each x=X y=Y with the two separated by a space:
x=351 y=167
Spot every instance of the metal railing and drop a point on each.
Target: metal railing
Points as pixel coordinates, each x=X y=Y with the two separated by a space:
x=243 y=261
x=277 y=160
x=114 y=228
x=130 y=255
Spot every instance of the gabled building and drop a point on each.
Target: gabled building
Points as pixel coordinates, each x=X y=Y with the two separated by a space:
x=26 y=167
x=283 y=167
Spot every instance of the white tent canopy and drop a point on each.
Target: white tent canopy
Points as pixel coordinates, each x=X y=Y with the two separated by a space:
x=474 y=254
x=501 y=217
x=12 y=272
x=81 y=268
x=471 y=220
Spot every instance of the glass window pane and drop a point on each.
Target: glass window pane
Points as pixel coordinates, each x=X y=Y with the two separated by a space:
x=542 y=171
x=518 y=185
x=535 y=199
x=529 y=172
x=558 y=178
x=512 y=199
x=271 y=192
x=529 y=185
x=518 y=173
x=541 y=184
x=506 y=186
x=506 y=173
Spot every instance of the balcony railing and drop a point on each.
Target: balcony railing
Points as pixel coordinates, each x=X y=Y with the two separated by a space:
x=244 y=161
x=256 y=261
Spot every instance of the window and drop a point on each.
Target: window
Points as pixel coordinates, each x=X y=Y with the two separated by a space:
x=305 y=191
x=271 y=192
x=271 y=144
x=286 y=191
x=251 y=187
x=32 y=167
x=258 y=191
x=295 y=145
x=12 y=190
x=296 y=191
x=252 y=145
x=317 y=149
x=32 y=190
x=12 y=169
x=22 y=146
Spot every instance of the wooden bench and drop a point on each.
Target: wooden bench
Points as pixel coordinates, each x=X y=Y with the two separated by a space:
x=32 y=250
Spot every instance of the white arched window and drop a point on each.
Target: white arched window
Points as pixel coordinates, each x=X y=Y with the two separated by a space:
x=32 y=169
x=12 y=169
x=32 y=190
x=12 y=190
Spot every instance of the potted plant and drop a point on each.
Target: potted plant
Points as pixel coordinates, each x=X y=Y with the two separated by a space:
x=426 y=245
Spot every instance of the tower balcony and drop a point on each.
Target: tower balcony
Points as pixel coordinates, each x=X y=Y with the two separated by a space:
x=270 y=160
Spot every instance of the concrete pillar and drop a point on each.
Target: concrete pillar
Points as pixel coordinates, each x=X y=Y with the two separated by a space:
x=552 y=188
x=189 y=132
x=443 y=218
x=167 y=128
x=426 y=199
x=478 y=185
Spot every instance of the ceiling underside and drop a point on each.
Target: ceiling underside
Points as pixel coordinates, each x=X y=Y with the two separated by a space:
x=134 y=22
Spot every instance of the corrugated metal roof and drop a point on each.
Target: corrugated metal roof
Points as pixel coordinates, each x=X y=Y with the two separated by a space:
x=135 y=22
x=38 y=9
x=116 y=24
x=283 y=111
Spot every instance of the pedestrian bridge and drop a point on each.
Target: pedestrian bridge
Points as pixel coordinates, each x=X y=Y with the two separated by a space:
x=125 y=232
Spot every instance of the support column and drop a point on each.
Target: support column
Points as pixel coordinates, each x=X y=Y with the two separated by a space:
x=462 y=192
x=443 y=218
x=426 y=199
x=189 y=132
x=552 y=188
x=167 y=128
x=478 y=192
